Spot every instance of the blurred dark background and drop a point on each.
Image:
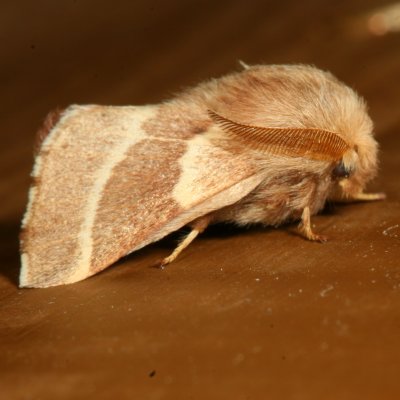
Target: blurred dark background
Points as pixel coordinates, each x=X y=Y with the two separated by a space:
x=135 y=52
x=54 y=53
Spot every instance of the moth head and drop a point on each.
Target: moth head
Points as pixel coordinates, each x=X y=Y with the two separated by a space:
x=358 y=163
x=357 y=166
x=352 y=157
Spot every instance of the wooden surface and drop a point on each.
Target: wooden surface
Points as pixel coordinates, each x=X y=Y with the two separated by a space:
x=243 y=314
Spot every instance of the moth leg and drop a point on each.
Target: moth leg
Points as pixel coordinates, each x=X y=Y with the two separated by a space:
x=306 y=230
x=368 y=196
x=198 y=226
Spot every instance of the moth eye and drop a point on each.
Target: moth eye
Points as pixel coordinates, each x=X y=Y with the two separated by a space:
x=340 y=171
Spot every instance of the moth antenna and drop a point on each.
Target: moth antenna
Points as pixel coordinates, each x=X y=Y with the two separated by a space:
x=243 y=64
x=313 y=143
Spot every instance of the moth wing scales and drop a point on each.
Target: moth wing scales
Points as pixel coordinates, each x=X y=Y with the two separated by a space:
x=67 y=164
x=94 y=203
x=197 y=179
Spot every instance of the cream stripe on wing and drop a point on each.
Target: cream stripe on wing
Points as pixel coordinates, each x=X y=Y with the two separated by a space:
x=134 y=135
x=206 y=169
x=191 y=182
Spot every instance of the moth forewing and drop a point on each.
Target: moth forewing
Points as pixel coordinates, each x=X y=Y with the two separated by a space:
x=108 y=187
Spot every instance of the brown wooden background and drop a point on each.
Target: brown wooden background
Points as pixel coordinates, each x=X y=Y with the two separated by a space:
x=243 y=314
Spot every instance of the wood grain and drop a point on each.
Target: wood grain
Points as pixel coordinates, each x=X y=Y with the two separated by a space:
x=243 y=314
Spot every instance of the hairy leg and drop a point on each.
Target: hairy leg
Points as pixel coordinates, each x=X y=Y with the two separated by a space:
x=306 y=230
x=198 y=226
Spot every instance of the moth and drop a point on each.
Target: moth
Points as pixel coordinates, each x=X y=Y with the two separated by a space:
x=268 y=144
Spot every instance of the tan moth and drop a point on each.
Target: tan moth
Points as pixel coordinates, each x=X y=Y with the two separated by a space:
x=269 y=144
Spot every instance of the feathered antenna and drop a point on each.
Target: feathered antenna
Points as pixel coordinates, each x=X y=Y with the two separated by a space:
x=314 y=143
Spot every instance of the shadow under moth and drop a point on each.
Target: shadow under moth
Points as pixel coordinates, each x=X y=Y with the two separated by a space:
x=269 y=144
